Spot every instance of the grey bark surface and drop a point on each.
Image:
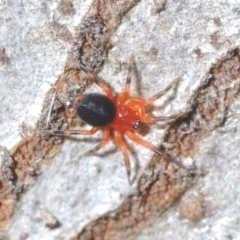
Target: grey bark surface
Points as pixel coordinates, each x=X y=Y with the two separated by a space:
x=167 y=39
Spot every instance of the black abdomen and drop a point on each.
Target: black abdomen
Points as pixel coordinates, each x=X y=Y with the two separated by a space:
x=96 y=109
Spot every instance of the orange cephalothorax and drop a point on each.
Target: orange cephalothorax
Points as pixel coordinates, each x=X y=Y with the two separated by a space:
x=127 y=117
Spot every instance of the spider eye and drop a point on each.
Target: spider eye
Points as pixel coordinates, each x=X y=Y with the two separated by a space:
x=141 y=127
x=137 y=125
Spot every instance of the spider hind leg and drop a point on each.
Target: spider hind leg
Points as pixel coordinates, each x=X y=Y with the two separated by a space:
x=122 y=146
x=95 y=79
x=106 y=136
x=71 y=132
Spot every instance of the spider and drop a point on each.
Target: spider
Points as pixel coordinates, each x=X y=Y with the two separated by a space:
x=116 y=115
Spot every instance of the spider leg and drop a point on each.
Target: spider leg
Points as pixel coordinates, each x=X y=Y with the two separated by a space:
x=50 y=109
x=169 y=118
x=148 y=145
x=129 y=76
x=96 y=80
x=125 y=94
x=78 y=98
x=71 y=132
x=161 y=93
x=144 y=102
x=106 y=136
x=122 y=146
x=146 y=119
x=142 y=142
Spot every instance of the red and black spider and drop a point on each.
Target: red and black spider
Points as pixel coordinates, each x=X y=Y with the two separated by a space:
x=116 y=115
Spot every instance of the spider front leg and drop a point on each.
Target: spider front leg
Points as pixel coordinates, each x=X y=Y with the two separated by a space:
x=169 y=118
x=129 y=76
x=173 y=117
x=125 y=94
x=146 y=119
x=161 y=93
x=155 y=97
